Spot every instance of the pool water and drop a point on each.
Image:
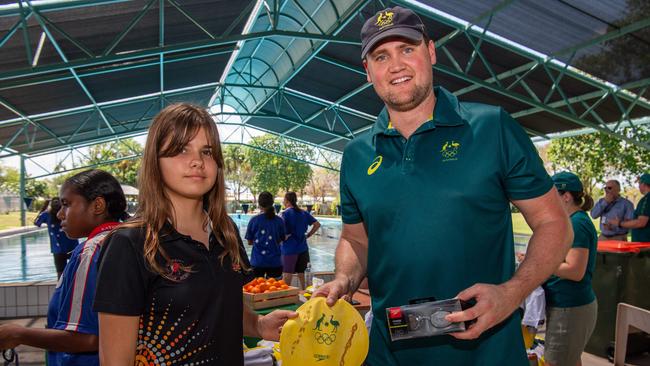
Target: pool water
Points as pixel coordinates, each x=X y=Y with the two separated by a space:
x=27 y=257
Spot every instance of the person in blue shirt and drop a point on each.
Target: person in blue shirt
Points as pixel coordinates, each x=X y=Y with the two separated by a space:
x=571 y=303
x=92 y=204
x=265 y=232
x=60 y=245
x=295 y=252
x=611 y=209
x=639 y=223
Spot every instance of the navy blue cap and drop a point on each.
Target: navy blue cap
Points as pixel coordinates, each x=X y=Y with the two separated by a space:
x=390 y=22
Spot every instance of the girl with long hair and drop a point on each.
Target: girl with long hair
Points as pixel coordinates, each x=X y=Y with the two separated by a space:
x=170 y=283
x=295 y=252
x=60 y=245
x=265 y=232
x=571 y=304
x=92 y=203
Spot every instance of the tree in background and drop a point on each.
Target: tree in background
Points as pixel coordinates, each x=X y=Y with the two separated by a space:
x=10 y=182
x=126 y=171
x=598 y=156
x=239 y=172
x=275 y=173
x=323 y=183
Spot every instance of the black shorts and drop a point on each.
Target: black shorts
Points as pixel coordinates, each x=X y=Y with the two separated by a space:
x=295 y=263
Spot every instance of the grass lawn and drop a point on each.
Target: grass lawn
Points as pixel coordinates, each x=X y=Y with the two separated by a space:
x=12 y=219
x=519 y=225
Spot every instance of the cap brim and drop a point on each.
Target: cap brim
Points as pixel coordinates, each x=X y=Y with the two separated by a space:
x=411 y=34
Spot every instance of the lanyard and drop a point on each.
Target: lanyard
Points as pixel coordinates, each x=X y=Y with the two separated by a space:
x=10 y=355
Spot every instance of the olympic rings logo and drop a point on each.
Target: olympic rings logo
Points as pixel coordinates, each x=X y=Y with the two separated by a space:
x=325 y=338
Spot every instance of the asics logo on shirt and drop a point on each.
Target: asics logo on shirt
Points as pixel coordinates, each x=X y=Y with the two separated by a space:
x=375 y=165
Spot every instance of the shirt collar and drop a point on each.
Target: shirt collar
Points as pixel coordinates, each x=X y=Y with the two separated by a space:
x=103 y=227
x=446 y=113
x=169 y=233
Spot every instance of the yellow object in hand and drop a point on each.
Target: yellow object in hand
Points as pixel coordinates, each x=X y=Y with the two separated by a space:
x=324 y=336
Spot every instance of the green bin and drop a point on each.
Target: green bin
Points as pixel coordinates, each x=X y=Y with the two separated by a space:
x=618 y=277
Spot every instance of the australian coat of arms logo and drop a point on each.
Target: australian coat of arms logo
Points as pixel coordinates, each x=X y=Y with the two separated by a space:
x=450 y=150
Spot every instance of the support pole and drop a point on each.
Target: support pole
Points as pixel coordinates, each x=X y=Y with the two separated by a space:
x=23 y=206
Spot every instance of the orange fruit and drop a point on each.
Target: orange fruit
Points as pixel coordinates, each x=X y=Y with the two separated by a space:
x=281 y=282
x=273 y=288
x=284 y=287
x=267 y=291
x=271 y=280
x=263 y=287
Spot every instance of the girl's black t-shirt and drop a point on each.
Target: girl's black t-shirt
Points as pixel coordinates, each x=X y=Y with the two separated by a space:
x=194 y=319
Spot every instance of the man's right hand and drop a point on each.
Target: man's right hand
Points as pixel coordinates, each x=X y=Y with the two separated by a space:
x=333 y=290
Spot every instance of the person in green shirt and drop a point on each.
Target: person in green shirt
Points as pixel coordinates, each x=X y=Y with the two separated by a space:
x=571 y=304
x=425 y=198
x=639 y=225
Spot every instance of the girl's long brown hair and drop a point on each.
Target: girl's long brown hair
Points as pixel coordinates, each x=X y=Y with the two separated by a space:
x=170 y=131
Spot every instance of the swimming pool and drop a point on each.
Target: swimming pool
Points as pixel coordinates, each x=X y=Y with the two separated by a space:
x=27 y=257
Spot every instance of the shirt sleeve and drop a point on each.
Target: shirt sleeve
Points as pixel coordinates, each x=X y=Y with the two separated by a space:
x=310 y=219
x=598 y=208
x=523 y=169
x=581 y=237
x=644 y=208
x=41 y=218
x=281 y=231
x=121 y=283
x=350 y=213
x=250 y=230
x=78 y=289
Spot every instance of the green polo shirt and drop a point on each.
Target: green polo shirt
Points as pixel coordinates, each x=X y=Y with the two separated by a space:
x=437 y=212
x=563 y=293
x=642 y=209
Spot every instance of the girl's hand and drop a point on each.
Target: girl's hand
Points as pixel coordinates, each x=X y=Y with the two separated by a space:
x=269 y=326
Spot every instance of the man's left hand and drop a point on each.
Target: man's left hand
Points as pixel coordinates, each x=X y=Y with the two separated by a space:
x=494 y=303
x=269 y=326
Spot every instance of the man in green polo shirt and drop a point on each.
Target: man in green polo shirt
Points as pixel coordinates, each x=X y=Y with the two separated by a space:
x=640 y=225
x=426 y=207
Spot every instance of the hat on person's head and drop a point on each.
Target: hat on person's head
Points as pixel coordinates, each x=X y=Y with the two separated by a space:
x=390 y=22
x=567 y=181
x=645 y=178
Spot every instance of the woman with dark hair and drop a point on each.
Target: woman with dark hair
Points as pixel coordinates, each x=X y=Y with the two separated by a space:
x=92 y=203
x=295 y=252
x=571 y=302
x=60 y=244
x=265 y=232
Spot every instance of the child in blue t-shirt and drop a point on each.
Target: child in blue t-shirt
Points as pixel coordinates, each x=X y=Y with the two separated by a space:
x=92 y=204
x=60 y=245
x=265 y=232
x=295 y=252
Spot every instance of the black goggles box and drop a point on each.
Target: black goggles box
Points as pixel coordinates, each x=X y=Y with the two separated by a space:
x=425 y=319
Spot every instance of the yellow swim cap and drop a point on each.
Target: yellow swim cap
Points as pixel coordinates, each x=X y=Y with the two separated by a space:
x=324 y=336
